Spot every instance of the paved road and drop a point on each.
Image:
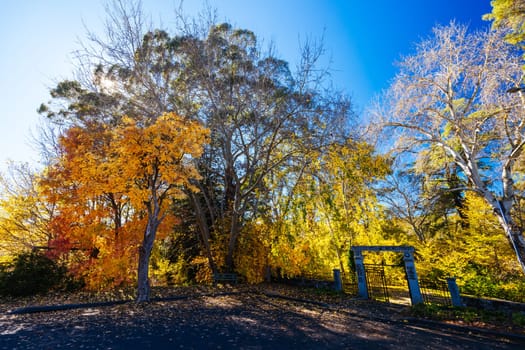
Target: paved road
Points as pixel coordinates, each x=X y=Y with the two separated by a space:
x=237 y=321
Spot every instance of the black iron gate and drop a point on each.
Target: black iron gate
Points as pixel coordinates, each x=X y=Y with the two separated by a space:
x=376 y=283
x=435 y=292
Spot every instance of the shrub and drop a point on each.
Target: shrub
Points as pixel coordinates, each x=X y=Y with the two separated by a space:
x=489 y=286
x=30 y=274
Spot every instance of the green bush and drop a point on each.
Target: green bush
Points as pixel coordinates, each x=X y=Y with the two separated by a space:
x=512 y=289
x=518 y=318
x=481 y=286
x=30 y=274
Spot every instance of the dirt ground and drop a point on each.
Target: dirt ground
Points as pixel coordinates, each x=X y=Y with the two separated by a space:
x=237 y=319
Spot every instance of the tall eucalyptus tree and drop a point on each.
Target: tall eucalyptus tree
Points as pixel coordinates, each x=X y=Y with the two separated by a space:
x=260 y=113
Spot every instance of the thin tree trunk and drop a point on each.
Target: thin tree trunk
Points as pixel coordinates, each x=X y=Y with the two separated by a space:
x=204 y=231
x=143 y=285
x=517 y=242
x=503 y=208
x=335 y=245
x=514 y=235
x=234 y=235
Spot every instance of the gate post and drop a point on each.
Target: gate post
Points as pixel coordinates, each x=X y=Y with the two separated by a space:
x=454 y=292
x=411 y=274
x=338 y=282
x=362 y=290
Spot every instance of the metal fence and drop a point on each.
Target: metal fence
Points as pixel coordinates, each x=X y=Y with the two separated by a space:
x=435 y=292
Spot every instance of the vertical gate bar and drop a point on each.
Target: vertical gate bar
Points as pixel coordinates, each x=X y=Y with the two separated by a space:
x=385 y=287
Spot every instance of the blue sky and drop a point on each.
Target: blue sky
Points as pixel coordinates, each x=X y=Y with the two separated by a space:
x=362 y=39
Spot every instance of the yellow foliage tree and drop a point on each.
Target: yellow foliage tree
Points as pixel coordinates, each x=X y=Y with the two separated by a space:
x=24 y=217
x=332 y=206
x=152 y=166
x=476 y=253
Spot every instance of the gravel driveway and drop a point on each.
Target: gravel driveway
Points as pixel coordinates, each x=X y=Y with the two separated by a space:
x=238 y=321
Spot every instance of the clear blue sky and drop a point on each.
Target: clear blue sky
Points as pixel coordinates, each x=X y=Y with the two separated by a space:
x=362 y=38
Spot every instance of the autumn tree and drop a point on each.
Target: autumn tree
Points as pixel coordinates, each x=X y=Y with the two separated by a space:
x=477 y=254
x=509 y=14
x=260 y=114
x=451 y=96
x=93 y=216
x=322 y=208
x=133 y=167
x=25 y=217
x=347 y=199
x=153 y=166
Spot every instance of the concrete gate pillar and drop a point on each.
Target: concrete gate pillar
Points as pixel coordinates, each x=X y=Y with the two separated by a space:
x=338 y=281
x=413 y=283
x=362 y=289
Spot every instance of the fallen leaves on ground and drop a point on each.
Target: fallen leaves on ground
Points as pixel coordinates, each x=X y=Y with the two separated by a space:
x=263 y=316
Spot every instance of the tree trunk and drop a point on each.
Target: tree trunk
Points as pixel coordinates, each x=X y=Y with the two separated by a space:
x=234 y=235
x=143 y=286
x=514 y=235
x=504 y=207
x=518 y=244
x=204 y=231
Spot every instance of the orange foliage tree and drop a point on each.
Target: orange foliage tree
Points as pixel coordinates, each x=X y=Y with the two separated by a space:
x=91 y=210
x=115 y=187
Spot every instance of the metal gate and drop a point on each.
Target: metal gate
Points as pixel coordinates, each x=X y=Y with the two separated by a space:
x=376 y=283
x=435 y=292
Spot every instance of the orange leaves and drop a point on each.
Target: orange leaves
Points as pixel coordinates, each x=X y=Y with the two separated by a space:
x=84 y=158
x=129 y=160
x=157 y=156
x=111 y=185
x=154 y=162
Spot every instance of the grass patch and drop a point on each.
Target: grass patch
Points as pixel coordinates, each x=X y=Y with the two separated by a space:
x=468 y=315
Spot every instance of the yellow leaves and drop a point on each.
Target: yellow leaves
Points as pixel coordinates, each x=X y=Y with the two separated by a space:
x=333 y=206
x=158 y=155
x=162 y=271
x=508 y=14
x=474 y=248
x=255 y=247
x=24 y=218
